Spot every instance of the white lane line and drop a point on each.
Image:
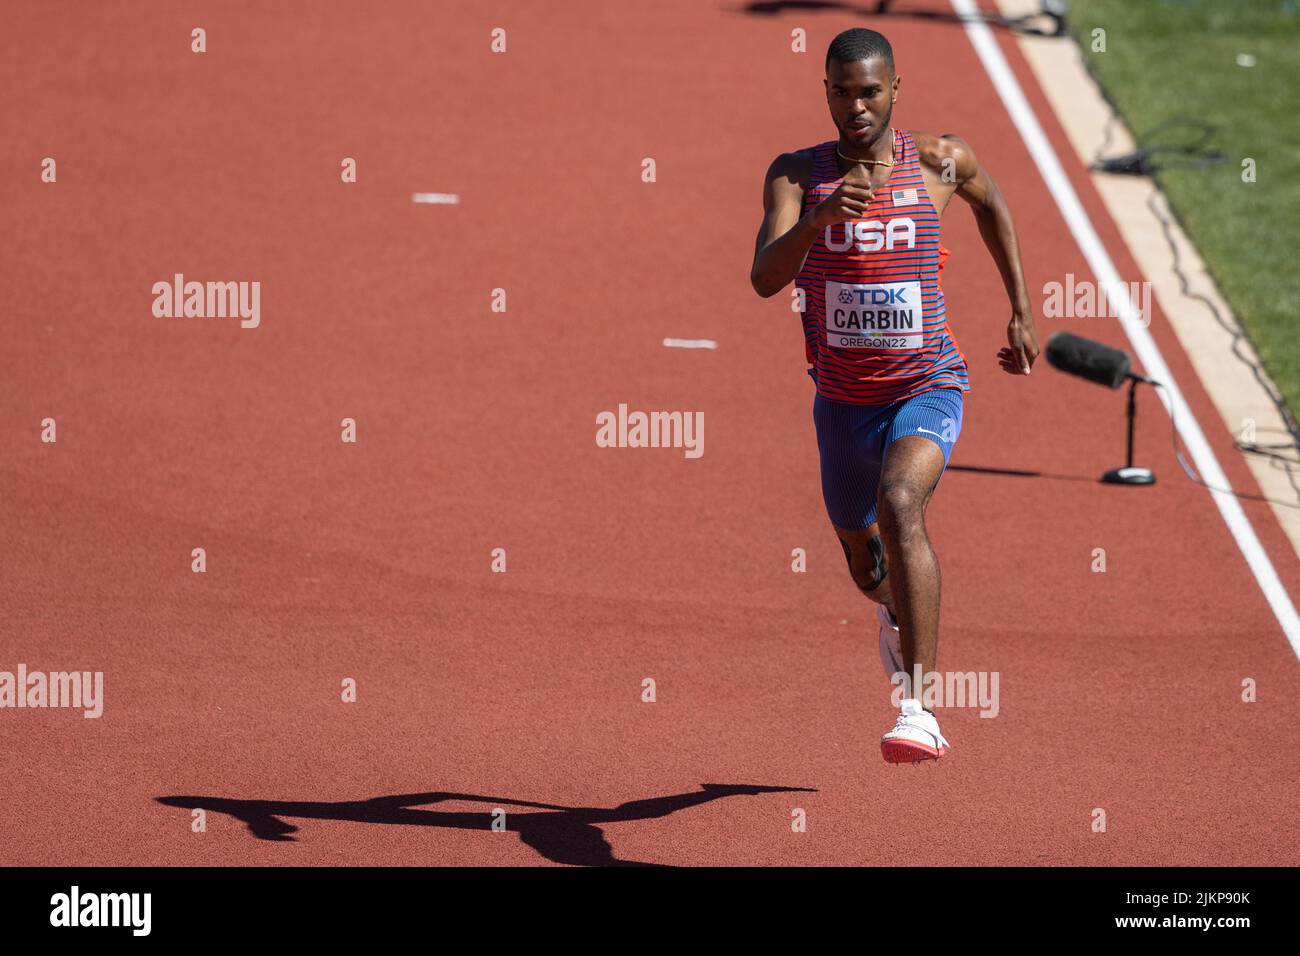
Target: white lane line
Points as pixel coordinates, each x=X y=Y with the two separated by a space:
x=1148 y=353
x=444 y=199
x=690 y=344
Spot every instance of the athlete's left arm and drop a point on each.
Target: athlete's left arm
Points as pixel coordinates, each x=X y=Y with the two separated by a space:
x=976 y=186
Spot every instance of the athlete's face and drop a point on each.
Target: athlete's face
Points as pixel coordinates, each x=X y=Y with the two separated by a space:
x=861 y=96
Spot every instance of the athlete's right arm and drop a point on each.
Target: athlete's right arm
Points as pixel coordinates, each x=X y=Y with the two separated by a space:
x=785 y=236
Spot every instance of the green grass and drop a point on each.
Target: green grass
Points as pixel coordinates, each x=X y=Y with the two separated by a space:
x=1178 y=58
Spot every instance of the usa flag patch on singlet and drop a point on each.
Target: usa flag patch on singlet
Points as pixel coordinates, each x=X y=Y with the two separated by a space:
x=905 y=197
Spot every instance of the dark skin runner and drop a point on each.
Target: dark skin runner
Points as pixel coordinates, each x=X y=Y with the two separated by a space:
x=861 y=96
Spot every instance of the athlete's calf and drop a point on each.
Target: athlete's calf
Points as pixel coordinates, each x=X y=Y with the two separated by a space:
x=864 y=550
x=913 y=466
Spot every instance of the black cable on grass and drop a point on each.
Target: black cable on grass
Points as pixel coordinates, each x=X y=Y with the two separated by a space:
x=1141 y=162
x=1285 y=455
x=1187 y=468
x=1144 y=160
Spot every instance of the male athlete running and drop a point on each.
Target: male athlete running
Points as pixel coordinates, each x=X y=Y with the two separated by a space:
x=855 y=223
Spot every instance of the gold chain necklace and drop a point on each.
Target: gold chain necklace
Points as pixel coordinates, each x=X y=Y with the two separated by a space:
x=872 y=162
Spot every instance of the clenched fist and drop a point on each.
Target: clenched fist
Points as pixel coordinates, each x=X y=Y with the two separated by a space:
x=849 y=201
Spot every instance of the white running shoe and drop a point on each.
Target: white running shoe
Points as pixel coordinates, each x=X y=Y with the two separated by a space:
x=915 y=736
x=891 y=647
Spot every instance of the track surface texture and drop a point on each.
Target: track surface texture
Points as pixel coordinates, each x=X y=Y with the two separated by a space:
x=522 y=691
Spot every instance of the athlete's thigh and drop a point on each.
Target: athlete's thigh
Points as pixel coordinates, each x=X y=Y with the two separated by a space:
x=913 y=467
x=920 y=440
x=850 y=443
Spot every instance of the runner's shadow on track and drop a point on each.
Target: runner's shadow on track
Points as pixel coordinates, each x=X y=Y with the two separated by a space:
x=1021 y=473
x=569 y=835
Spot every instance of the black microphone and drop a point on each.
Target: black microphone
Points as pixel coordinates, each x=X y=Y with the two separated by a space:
x=1104 y=365
x=1091 y=360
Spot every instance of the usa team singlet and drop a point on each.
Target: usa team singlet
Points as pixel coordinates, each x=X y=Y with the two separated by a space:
x=875 y=328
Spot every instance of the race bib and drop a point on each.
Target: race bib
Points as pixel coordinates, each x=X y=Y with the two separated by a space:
x=878 y=315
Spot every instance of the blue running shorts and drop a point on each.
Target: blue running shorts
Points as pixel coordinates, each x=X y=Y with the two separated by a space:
x=853 y=439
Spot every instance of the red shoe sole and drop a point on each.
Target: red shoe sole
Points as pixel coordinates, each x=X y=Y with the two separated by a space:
x=907 y=751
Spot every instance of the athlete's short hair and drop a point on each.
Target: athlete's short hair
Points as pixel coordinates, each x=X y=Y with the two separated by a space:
x=860 y=44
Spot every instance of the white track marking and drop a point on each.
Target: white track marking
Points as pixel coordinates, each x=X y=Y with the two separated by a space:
x=1148 y=353
x=442 y=199
x=690 y=344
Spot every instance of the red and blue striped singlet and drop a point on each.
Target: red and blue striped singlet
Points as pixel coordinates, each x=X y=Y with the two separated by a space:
x=875 y=328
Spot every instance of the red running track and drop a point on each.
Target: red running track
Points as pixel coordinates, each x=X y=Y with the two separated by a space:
x=479 y=691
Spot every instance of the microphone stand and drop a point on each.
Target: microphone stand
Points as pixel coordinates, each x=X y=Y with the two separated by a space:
x=1129 y=475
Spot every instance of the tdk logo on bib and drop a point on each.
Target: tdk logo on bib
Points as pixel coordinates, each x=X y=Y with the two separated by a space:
x=872 y=235
x=895 y=293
